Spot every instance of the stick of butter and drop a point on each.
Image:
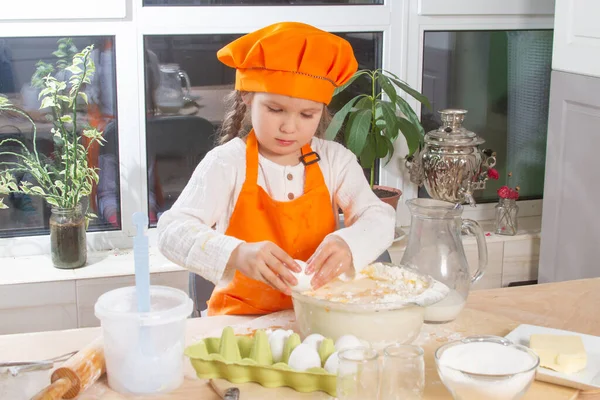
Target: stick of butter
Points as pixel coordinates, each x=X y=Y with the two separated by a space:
x=562 y=353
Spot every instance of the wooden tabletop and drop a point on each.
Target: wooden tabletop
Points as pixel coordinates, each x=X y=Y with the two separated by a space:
x=567 y=305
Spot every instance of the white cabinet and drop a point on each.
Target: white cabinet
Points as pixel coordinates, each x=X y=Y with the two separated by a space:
x=577 y=37
x=570 y=228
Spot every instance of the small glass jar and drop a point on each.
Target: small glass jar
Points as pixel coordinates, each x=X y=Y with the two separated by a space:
x=358 y=374
x=67 y=237
x=403 y=373
x=506 y=217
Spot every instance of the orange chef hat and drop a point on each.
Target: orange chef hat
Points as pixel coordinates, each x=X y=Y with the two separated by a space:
x=292 y=59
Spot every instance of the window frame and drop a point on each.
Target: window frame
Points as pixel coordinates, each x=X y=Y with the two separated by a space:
x=402 y=50
x=129 y=34
x=511 y=15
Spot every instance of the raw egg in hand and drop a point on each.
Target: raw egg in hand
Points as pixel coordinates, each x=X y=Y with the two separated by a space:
x=303 y=279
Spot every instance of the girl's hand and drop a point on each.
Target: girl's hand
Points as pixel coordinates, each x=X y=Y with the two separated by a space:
x=265 y=262
x=331 y=259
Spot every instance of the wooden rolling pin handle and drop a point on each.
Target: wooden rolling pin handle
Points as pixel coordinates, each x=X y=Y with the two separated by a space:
x=83 y=369
x=55 y=391
x=76 y=374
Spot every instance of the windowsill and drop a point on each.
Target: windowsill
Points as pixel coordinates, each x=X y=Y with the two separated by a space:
x=112 y=263
x=529 y=227
x=101 y=264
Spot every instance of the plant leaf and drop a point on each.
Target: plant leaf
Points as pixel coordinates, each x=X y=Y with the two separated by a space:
x=345 y=85
x=52 y=201
x=2 y=205
x=391 y=120
x=381 y=147
x=47 y=102
x=411 y=134
x=363 y=104
x=387 y=86
x=37 y=190
x=368 y=154
x=84 y=96
x=338 y=119
x=418 y=96
x=410 y=114
x=359 y=131
x=390 y=147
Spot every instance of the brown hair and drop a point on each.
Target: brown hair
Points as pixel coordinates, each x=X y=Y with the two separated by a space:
x=237 y=118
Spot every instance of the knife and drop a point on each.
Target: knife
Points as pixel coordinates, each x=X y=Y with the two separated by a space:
x=231 y=394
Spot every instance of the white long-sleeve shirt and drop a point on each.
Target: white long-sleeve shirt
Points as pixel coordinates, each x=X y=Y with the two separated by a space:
x=191 y=233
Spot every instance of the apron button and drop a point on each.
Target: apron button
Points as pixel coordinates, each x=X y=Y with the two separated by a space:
x=291 y=196
x=290 y=177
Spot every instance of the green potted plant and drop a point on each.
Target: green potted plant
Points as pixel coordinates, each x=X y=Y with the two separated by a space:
x=65 y=179
x=373 y=124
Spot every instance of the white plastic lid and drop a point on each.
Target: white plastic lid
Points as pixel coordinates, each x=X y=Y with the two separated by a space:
x=166 y=305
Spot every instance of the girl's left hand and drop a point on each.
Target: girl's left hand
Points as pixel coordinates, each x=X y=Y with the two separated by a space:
x=331 y=259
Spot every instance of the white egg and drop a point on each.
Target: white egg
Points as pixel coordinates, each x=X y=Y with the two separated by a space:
x=277 y=342
x=304 y=357
x=347 y=342
x=332 y=363
x=314 y=340
x=303 y=279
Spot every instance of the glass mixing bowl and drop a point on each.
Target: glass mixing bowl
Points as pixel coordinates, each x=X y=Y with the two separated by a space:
x=471 y=385
x=378 y=323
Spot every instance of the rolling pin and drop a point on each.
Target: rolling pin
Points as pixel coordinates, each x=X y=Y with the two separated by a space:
x=76 y=374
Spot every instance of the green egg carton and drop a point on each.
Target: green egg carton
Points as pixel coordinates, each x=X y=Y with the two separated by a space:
x=241 y=359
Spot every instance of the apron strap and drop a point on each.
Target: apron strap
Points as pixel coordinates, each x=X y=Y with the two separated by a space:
x=313 y=175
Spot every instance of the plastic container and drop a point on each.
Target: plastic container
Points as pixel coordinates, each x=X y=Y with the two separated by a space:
x=489 y=376
x=144 y=351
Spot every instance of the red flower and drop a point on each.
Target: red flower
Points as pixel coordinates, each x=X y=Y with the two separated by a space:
x=504 y=192
x=493 y=174
x=507 y=193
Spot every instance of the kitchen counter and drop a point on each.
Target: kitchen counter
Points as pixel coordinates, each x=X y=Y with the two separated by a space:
x=566 y=305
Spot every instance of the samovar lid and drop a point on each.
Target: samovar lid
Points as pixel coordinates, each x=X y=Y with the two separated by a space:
x=452 y=132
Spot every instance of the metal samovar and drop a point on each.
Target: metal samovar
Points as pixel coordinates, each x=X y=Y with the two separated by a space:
x=451 y=165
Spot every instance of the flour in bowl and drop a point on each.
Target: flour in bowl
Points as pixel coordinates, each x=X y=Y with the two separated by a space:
x=381 y=283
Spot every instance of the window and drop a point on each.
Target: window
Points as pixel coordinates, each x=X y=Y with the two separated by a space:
x=503 y=79
x=185 y=87
x=255 y=2
x=19 y=57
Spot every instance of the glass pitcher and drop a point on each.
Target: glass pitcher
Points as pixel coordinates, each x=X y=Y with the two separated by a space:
x=435 y=248
x=169 y=96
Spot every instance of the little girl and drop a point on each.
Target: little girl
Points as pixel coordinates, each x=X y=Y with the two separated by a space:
x=269 y=196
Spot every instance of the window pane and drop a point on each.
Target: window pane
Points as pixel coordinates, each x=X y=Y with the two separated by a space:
x=180 y=128
x=503 y=79
x=256 y=2
x=19 y=58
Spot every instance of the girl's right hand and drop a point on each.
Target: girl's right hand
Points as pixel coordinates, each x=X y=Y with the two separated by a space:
x=265 y=262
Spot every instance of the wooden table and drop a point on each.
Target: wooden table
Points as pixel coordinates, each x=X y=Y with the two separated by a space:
x=567 y=305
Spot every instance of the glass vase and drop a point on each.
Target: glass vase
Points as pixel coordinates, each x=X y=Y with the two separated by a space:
x=67 y=237
x=506 y=217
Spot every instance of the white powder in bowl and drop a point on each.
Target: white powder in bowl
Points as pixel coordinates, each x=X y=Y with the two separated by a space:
x=382 y=283
x=503 y=372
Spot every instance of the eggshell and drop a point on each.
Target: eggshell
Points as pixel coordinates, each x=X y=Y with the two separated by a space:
x=332 y=363
x=303 y=279
x=277 y=342
x=314 y=340
x=347 y=342
x=304 y=357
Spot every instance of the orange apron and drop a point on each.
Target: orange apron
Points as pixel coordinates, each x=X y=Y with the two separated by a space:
x=297 y=226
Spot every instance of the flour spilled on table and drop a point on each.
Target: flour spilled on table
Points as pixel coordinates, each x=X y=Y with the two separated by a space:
x=279 y=320
x=437 y=335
